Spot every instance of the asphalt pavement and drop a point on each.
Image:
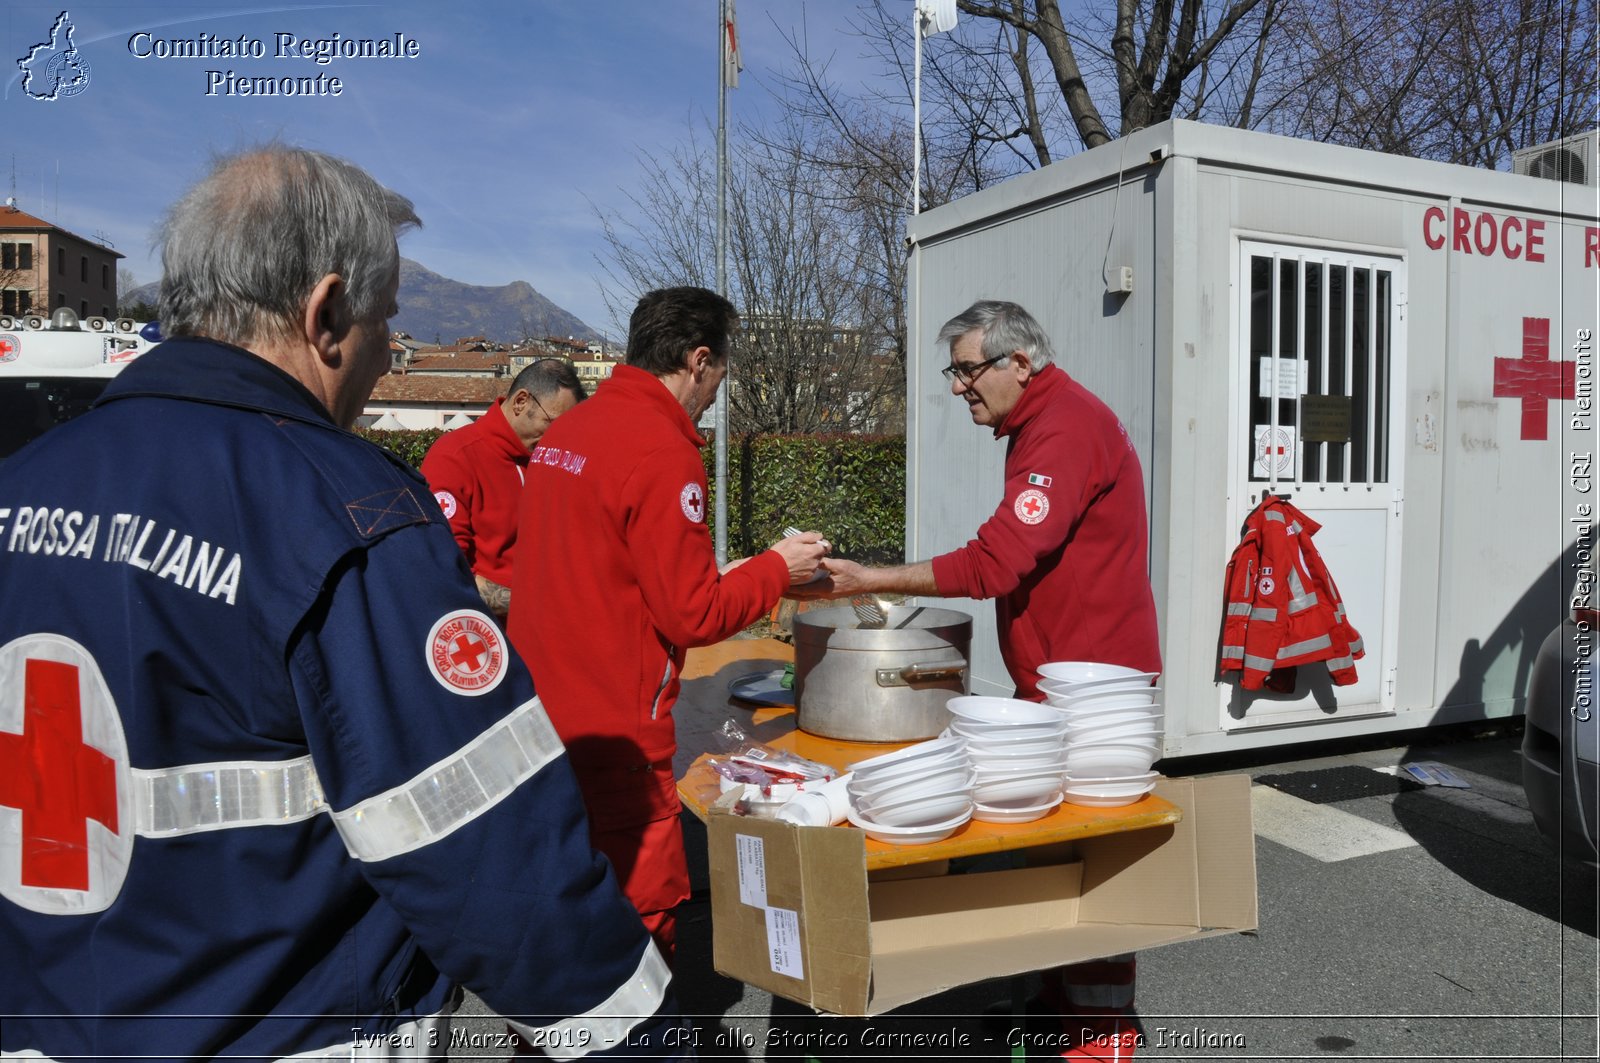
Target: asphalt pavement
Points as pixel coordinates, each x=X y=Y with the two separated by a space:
x=1397 y=922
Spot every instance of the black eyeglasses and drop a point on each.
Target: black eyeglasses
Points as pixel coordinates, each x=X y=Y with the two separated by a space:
x=967 y=374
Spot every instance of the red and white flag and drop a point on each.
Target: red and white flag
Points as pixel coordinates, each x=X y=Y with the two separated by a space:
x=732 y=61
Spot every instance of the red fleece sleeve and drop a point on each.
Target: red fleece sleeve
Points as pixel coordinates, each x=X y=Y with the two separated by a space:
x=1048 y=488
x=667 y=537
x=455 y=489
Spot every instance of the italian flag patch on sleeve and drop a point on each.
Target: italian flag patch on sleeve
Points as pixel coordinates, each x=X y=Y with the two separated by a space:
x=1038 y=481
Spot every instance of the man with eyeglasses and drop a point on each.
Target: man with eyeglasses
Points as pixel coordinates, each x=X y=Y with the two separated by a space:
x=476 y=471
x=1065 y=556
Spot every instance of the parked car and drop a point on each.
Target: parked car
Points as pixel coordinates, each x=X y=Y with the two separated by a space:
x=1559 y=743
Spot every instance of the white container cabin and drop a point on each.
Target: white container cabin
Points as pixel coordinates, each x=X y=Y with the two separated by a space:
x=1429 y=332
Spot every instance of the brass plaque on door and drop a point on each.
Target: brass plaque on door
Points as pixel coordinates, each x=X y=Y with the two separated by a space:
x=1325 y=418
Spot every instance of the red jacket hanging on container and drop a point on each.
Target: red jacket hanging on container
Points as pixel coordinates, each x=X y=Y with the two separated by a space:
x=1283 y=607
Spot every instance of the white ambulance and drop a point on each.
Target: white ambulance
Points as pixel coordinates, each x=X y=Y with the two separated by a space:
x=52 y=368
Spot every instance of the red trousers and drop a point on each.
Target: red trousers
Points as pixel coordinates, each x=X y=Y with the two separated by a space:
x=653 y=871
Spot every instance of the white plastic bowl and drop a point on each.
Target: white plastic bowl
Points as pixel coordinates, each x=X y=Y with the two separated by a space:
x=1030 y=761
x=1019 y=790
x=1006 y=754
x=1146 y=744
x=982 y=747
x=1117 y=733
x=954 y=757
x=1059 y=694
x=1015 y=813
x=1107 y=702
x=922 y=749
x=1108 y=760
x=940 y=782
x=984 y=773
x=1087 y=671
x=979 y=709
x=973 y=730
x=1132 y=681
x=1119 y=786
x=923 y=835
x=1103 y=721
x=1095 y=801
x=917 y=811
x=1133 y=789
x=1129 y=777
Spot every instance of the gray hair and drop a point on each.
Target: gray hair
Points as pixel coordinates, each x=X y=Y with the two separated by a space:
x=243 y=249
x=543 y=378
x=1006 y=327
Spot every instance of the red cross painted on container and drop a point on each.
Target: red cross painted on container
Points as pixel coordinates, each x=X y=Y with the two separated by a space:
x=1534 y=378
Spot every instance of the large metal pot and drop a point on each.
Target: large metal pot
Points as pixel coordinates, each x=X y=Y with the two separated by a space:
x=887 y=684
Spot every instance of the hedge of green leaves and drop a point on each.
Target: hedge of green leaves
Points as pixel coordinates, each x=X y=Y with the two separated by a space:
x=409 y=445
x=850 y=488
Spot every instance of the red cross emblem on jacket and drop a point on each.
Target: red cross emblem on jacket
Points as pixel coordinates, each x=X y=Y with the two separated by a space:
x=64 y=769
x=55 y=779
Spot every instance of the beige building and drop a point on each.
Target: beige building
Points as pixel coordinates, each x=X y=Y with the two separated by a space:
x=43 y=267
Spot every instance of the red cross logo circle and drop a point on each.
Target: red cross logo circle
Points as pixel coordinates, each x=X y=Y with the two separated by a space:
x=9 y=347
x=1031 y=506
x=447 y=503
x=693 y=500
x=64 y=777
x=467 y=653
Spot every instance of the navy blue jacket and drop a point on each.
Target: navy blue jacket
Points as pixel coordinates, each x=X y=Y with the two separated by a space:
x=270 y=780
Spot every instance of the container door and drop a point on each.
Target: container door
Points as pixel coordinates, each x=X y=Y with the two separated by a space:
x=1318 y=392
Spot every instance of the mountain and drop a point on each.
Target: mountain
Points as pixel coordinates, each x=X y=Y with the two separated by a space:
x=434 y=307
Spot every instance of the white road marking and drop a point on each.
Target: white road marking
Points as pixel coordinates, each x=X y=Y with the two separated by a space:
x=1321 y=832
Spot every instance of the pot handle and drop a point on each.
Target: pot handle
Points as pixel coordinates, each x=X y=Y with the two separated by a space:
x=921 y=673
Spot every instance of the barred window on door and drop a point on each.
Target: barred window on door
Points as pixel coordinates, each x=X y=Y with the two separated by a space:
x=1321 y=346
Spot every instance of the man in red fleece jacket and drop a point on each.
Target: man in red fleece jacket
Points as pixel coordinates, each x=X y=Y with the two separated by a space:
x=476 y=472
x=614 y=549
x=1065 y=556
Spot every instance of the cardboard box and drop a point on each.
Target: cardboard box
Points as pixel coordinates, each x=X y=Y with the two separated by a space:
x=794 y=913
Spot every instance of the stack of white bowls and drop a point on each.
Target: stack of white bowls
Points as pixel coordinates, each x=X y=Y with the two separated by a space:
x=1113 y=725
x=915 y=795
x=1018 y=752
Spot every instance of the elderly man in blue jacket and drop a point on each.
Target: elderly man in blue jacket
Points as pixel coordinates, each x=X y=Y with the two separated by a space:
x=272 y=784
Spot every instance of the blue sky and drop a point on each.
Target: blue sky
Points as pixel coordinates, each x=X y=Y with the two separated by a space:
x=514 y=117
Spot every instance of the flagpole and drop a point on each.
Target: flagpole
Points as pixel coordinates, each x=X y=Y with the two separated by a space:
x=927 y=17
x=916 y=114
x=721 y=407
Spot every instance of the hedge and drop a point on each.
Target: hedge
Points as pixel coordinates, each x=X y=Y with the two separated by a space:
x=850 y=488
x=410 y=445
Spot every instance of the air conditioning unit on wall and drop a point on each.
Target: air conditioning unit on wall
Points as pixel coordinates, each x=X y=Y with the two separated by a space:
x=1575 y=159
